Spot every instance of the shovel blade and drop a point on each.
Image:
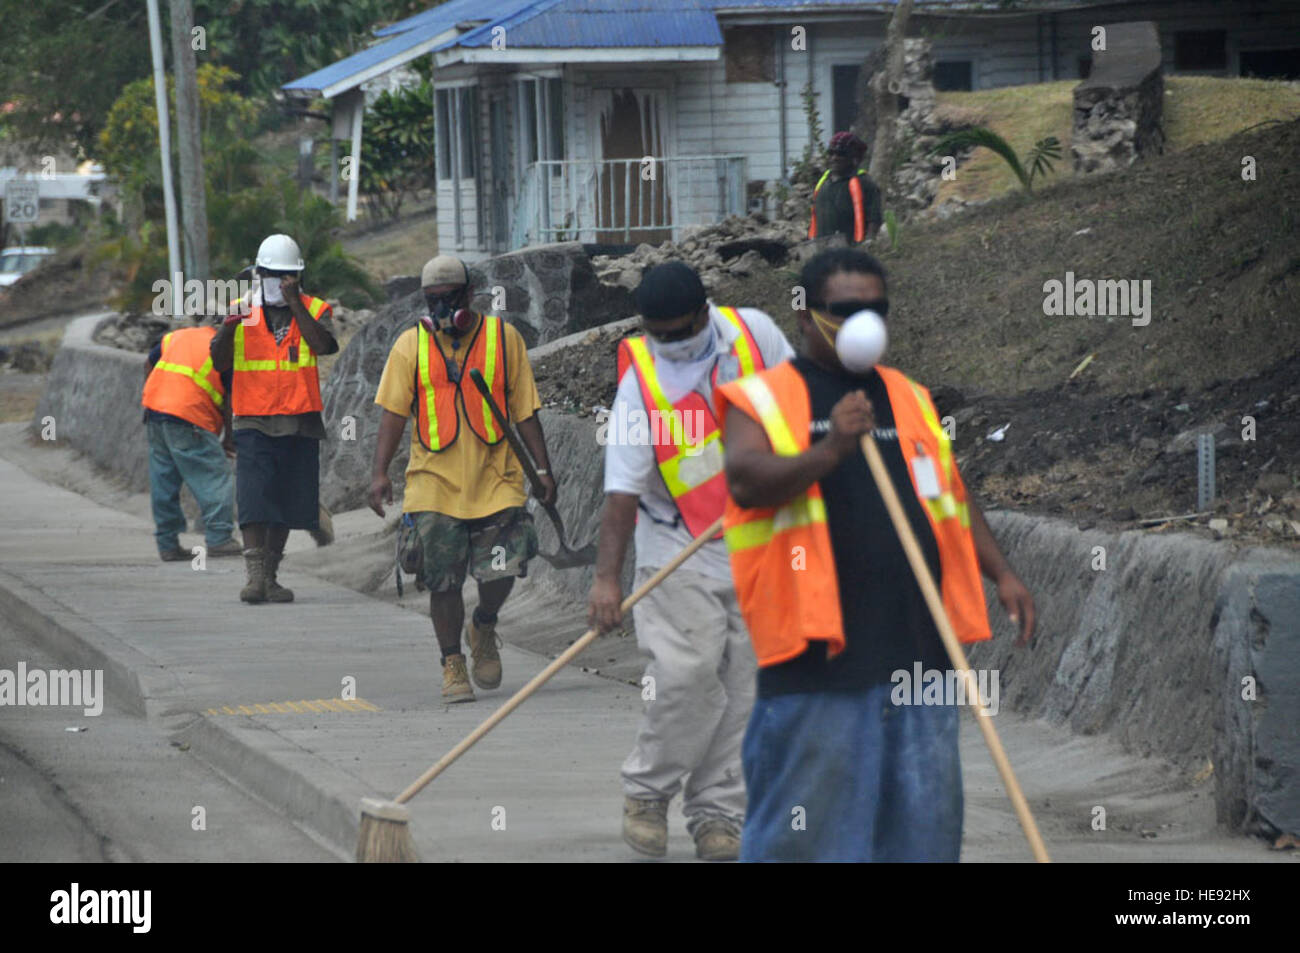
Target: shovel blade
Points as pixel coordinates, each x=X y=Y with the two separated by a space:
x=572 y=559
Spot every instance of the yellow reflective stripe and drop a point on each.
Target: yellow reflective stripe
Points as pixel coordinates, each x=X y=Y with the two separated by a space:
x=489 y=375
x=199 y=377
x=818 y=187
x=946 y=505
x=743 y=351
x=646 y=367
x=245 y=365
x=430 y=407
x=315 y=306
x=167 y=339
x=769 y=415
x=802 y=511
x=670 y=467
x=945 y=445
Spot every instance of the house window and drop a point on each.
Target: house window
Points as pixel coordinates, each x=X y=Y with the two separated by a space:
x=1200 y=50
x=953 y=74
x=541 y=121
x=749 y=54
x=442 y=131
x=455 y=119
x=844 y=96
x=468 y=109
x=1271 y=64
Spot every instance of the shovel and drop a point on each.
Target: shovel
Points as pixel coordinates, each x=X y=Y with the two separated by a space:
x=566 y=558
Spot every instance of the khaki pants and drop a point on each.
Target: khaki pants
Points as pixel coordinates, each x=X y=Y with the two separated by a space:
x=703 y=670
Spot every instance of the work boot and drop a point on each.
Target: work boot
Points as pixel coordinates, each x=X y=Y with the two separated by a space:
x=255 y=563
x=483 y=642
x=274 y=591
x=455 y=681
x=645 y=825
x=717 y=839
x=231 y=547
x=176 y=555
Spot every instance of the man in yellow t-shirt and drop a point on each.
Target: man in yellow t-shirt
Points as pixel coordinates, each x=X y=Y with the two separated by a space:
x=464 y=487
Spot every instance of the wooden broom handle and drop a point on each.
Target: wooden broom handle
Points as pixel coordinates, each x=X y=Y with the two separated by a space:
x=921 y=569
x=545 y=674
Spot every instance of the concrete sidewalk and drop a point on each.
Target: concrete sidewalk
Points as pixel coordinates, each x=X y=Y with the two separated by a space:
x=176 y=643
x=179 y=648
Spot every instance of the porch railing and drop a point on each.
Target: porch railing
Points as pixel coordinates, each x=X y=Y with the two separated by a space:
x=626 y=200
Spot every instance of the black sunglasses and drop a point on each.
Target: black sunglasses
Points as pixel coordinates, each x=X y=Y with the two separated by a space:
x=846 y=309
x=839 y=152
x=676 y=334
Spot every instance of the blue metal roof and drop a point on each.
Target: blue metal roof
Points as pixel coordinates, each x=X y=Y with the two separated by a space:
x=587 y=24
x=595 y=24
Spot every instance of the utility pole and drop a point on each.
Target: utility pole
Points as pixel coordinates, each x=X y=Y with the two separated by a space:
x=194 y=206
x=165 y=147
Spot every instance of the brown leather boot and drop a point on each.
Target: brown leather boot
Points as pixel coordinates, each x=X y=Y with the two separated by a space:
x=274 y=591
x=255 y=563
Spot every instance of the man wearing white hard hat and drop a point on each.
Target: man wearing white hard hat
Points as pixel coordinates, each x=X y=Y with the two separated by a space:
x=276 y=402
x=840 y=764
x=464 y=486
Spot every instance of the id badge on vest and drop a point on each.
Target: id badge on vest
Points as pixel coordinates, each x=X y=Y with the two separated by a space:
x=927 y=478
x=293 y=354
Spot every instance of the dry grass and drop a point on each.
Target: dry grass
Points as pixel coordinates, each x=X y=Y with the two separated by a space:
x=1198 y=110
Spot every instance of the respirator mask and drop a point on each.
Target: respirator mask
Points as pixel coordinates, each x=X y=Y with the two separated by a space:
x=446 y=313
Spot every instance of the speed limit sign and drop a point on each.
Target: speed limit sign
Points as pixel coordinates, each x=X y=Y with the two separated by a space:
x=22 y=202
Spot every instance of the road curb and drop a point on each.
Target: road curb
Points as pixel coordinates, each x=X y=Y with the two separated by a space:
x=134 y=681
x=308 y=790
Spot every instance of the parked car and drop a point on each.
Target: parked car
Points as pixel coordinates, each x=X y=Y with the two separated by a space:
x=17 y=260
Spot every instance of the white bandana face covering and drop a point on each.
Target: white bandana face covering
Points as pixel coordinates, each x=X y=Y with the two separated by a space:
x=681 y=364
x=272 y=293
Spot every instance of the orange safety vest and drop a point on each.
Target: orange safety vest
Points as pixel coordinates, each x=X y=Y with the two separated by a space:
x=183 y=382
x=691 y=472
x=785 y=608
x=859 y=207
x=437 y=422
x=275 y=378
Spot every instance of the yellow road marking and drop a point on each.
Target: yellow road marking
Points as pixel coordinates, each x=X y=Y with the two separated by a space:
x=314 y=706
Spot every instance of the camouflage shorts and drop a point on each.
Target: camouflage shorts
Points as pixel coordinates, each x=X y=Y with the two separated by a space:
x=492 y=547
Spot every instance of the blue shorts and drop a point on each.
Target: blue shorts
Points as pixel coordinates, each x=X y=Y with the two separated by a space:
x=277 y=480
x=851 y=777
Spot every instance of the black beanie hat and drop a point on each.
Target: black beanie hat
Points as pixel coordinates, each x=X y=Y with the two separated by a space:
x=669 y=291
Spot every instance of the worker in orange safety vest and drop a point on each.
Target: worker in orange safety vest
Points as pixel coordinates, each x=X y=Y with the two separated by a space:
x=272 y=346
x=663 y=477
x=186 y=407
x=845 y=200
x=844 y=639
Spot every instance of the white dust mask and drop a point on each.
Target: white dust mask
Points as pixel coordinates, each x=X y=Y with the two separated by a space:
x=272 y=293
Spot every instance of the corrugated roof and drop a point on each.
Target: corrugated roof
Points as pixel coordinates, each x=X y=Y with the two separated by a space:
x=583 y=24
x=596 y=24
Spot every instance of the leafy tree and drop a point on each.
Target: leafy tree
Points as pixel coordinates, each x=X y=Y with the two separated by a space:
x=397 y=151
x=270 y=42
x=129 y=145
x=64 y=65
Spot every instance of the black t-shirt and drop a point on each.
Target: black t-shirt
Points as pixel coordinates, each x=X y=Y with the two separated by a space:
x=887 y=625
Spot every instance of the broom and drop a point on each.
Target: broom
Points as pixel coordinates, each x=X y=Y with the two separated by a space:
x=384 y=835
x=955 y=654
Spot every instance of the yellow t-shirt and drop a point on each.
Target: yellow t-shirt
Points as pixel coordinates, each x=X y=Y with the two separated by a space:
x=469 y=479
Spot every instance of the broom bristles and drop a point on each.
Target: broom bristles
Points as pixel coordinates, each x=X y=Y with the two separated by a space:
x=384 y=836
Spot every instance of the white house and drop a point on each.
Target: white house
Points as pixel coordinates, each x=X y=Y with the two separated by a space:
x=622 y=121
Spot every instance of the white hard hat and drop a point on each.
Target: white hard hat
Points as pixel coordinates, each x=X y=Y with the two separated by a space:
x=279 y=253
